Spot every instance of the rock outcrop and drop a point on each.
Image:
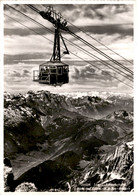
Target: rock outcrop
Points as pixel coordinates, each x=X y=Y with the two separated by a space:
x=8 y=176
x=113 y=172
x=26 y=187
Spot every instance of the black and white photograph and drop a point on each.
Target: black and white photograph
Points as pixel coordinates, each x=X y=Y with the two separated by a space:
x=68 y=93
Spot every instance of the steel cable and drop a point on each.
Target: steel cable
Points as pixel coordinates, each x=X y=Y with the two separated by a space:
x=52 y=42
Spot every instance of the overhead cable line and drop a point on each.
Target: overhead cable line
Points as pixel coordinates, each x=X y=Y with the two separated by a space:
x=107 y=64
x=70 y=52
x=90 y=37
x=96 y=49
x=101 y=43
x=27 y=27
x=34 y=21
x=32 y=7
x=90 y=45
x=95 y=57
x=101 y=70
x=99 y=51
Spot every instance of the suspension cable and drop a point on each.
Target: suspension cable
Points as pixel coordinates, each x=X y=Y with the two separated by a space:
x=96 y=49
x=100 y=43
x=34 y=21
x=107 y=63
x=34 y=8
x=27 y=27
x=95 y=57
x=99 y=51
x=70 y=52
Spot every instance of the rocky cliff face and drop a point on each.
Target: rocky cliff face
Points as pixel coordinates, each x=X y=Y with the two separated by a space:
x=61 y=143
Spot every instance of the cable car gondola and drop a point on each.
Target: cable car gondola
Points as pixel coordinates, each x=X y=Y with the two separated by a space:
x=54 y=72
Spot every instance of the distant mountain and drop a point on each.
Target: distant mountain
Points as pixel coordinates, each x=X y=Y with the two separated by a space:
x=62 y=143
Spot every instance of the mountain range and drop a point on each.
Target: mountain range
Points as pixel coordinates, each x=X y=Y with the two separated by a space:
x=61 y=143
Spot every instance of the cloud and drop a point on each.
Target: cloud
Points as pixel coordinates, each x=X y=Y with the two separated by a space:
x=26 y=31
x=26 y=73
x=93 y=15
x=120 y=44
x=19 y=78
x=123 y=29
x=35 y=58
x=15 y=75
x=27 y=44
x=89 y=73
x=80 y=14
x=18 y=48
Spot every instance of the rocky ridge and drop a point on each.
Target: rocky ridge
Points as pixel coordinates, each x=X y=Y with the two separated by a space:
x=85 y=143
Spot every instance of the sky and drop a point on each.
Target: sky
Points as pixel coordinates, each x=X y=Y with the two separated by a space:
x=24 y=50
